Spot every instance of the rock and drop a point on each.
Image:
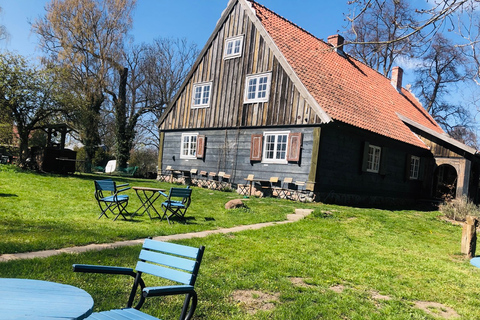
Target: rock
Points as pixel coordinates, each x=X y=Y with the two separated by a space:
x=235 y=203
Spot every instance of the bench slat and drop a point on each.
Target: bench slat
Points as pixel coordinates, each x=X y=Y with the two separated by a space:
x=171 y=248
x=159 y=271
x=167 y=260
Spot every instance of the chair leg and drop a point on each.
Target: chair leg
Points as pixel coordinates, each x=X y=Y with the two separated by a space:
x=190 y=297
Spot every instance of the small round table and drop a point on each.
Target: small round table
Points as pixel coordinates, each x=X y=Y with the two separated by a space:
x=37 y=299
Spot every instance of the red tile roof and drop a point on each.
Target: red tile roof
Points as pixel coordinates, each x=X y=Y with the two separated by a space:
x=348 y=90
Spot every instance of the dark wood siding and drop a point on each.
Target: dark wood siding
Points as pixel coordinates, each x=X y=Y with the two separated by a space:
x=228 y=150
x=339 y=169
x=286 y=105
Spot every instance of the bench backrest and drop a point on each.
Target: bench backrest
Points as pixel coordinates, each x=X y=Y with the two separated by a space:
x=105 y=185
x=180 y=193
x=170 y=261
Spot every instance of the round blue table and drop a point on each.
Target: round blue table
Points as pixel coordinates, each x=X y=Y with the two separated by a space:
x=36 y=299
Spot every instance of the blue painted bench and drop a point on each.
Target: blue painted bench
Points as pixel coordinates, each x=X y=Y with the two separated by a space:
x=174 y=262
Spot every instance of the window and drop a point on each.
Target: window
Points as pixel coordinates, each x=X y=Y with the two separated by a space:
x=201 y=95
x=257 y=88
x=189 y=146
x=233 y=47
x=373 y=164
x=414 y=167
x=275 y=147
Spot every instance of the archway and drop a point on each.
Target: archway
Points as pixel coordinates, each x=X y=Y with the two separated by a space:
x=445 y=182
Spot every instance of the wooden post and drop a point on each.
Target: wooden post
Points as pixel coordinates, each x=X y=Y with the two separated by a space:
x=469 y=236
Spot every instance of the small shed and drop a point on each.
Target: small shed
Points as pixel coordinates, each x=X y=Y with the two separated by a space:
x=54 y=157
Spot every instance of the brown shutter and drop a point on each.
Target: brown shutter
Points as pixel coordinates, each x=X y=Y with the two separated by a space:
x=294 y=146
x=256 y=147
x=200 y=152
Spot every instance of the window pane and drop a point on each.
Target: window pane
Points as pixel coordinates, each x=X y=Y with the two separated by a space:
x=252 y=87
x=262 y=87
x=281 y=147
x=206 y=94
x=229 y=48
x=193 y=145
x=198 y=95
x=414 y=167
x=270 y=147
x=373 y=159
x=237 y=46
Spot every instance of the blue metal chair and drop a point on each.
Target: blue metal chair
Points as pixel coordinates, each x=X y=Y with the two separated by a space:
x=109 y=200
x=177 y=202
x=174 y=262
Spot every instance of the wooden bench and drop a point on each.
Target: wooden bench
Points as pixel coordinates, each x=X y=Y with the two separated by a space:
x=170 y=261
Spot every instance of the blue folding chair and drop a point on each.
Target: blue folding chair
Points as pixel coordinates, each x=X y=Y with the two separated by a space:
x=109 y=200
x=177 y=202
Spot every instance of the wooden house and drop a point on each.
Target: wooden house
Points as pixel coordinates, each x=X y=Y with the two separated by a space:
x=266 y=97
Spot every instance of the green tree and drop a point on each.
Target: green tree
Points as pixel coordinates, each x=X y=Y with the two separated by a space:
x=29 y=94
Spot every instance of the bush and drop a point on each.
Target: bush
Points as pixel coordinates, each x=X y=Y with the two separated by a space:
x=459 y=209
x=146 y=159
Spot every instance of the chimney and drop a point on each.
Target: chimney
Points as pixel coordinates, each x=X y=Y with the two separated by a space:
x=337 y=42
x=396 y=80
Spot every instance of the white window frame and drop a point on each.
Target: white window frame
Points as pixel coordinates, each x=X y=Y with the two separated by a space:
x=414 y=167
x=276 y=153
x=188 y=149
x=374 y=156
x=236 y=44
x=258 y=96
x=201 y=103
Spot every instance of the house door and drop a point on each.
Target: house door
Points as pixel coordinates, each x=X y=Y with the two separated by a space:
x=445 y=183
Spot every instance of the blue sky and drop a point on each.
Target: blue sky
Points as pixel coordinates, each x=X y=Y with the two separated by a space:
x=191 y=19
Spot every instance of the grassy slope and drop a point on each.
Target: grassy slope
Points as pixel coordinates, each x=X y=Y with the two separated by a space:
x=35 y=206
x=408 y=256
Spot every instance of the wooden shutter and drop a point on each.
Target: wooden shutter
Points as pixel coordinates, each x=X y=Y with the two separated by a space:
x=383 y=161
x=256 y=147
x=294 y=146
x=421 y=168
x=200 y=152
x=366 y=147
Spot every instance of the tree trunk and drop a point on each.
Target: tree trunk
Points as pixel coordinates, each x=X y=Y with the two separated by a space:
x=122 y=139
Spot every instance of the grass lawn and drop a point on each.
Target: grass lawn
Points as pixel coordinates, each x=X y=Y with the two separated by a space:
x=338 y=263
x=34 y=207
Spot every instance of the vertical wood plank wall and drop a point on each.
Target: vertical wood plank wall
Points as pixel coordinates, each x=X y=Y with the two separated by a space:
x=286 y=105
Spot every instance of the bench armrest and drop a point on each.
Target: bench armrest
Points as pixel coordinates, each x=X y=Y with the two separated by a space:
x=121 y=190
x=122 y=185
x=167 y=290
x=87 y=268
x=163 y=194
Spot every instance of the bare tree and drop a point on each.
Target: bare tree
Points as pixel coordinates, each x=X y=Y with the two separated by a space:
x=442 y=66
x=430 y=19
x=166 y=64
x=3 y=30
x=377 y=36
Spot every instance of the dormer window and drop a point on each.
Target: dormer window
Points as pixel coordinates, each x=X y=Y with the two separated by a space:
x=201 y=95
x=233 y=47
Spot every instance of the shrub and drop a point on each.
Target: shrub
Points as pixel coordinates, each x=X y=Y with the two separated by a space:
x=459 y=209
